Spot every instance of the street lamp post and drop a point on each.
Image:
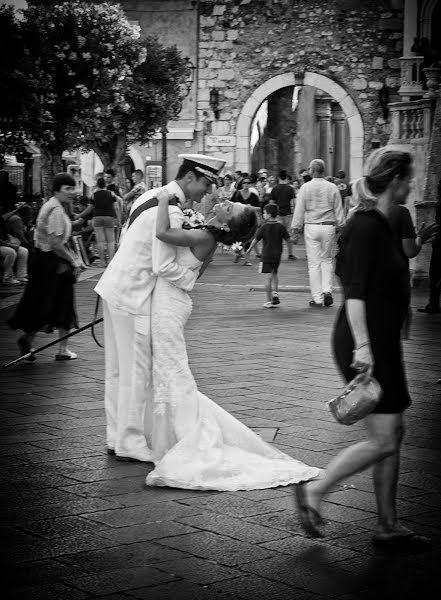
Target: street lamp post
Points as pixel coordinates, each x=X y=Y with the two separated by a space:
x=164 y=154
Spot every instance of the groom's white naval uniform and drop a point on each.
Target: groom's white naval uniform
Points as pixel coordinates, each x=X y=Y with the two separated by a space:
x=126 y=289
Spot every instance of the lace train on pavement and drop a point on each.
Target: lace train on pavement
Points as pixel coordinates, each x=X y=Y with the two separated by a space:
x=196 y=444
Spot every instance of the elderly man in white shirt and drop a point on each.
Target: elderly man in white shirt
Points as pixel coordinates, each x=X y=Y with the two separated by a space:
x=319 y=209
x=126 y=289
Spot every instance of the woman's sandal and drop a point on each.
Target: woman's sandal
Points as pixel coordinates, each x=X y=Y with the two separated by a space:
x=403 y=541
x=309 y=517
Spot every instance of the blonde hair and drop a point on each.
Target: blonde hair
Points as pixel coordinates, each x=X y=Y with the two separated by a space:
x=380 y=169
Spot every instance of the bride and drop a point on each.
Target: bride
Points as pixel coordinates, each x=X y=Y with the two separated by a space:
x=196 y=444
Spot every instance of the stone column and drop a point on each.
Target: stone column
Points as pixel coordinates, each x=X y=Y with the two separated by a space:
x=410 y=25
x=323 y=112
x=338 y=117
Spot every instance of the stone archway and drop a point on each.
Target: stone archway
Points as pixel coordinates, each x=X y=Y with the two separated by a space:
x=425 y=25
x=321 y=82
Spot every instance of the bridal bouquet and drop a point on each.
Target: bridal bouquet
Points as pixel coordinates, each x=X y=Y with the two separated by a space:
x=192 y=218
x=237 y=248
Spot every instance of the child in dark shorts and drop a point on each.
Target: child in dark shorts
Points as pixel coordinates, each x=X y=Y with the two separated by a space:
x=272 y=233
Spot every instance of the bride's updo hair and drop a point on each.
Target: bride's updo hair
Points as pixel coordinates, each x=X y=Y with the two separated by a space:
x=242 y=226
x=381 y=167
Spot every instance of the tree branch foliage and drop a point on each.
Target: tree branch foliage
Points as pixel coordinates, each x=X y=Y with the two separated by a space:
x=82 y=77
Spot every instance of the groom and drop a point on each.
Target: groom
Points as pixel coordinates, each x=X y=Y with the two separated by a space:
x=126 y=289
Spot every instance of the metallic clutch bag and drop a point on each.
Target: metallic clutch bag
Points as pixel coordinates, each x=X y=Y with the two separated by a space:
x=358 y=399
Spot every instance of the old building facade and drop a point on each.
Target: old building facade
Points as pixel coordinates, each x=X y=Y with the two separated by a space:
x=357 y=66
x=247 y=51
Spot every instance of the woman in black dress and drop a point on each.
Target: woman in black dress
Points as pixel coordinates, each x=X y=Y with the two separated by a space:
x=48 y=301
x=366 y=338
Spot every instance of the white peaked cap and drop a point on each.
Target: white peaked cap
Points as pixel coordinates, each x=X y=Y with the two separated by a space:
x=210 y=166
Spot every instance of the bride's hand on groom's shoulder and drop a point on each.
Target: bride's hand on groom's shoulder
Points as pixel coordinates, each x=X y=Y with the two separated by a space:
x=164 y=196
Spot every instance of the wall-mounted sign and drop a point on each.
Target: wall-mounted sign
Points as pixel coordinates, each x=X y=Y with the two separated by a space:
x=153 y=176
x=221 y=140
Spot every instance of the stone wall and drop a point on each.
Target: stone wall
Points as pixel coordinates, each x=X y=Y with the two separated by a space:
x=243 y=43
x=174 y=23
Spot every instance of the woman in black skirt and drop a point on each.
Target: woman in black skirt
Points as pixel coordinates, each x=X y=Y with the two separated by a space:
x=366 y=338
x=48 y=301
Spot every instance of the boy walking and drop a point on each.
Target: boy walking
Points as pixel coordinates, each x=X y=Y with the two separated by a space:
x=272 y=233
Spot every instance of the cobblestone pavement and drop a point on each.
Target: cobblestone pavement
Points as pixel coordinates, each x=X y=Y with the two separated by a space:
x=78 y=525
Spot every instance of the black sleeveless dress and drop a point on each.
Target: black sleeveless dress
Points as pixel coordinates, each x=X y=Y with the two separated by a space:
x=371 y=268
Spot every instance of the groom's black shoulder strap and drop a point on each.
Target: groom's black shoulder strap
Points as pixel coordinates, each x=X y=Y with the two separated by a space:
x=146 y=205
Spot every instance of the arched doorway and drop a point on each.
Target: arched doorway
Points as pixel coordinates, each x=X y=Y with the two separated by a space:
x=321 y=82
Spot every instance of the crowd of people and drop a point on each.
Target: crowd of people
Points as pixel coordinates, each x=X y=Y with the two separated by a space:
x=318 y=206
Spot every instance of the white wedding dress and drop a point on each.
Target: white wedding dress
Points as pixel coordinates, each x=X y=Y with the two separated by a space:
x=196 y=444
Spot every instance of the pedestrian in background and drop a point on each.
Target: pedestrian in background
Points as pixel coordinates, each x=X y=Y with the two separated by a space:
x=343 y=186
x=137 y=190
x=366 y=339
x=319 y=210
x=272 y=233
x=270 y=183
x=238 y=176
x=13 y=255
x=109 y=177
x=103 y=208
x=104 y=203
x=225 y=191
x=433 y=307
x=244 y=195
x=18 y=224
x=284 y=195
x=128 y=182
x=48 y=301
x=296 y=185
x=409 y=244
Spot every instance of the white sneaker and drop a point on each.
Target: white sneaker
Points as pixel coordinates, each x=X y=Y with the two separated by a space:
x=67 y=355
x=269 y=305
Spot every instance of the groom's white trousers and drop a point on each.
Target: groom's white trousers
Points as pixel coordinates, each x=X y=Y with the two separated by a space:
x=128 y=384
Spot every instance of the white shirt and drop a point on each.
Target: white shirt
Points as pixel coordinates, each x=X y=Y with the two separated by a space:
x=318 y=200
x=129 y=280
x=52 y=225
